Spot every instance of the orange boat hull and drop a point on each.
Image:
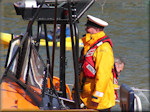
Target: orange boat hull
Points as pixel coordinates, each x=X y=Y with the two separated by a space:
x=13 y=97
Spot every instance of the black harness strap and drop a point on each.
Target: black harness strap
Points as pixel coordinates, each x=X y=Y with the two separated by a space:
x=83 y=81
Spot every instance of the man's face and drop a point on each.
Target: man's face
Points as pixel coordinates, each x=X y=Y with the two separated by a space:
x=91 y=30
x=119 y=68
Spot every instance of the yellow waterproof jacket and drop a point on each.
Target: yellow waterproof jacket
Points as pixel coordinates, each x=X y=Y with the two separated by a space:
x=100 y=89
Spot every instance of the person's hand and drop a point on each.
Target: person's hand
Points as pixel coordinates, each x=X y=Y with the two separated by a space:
x=94 y=104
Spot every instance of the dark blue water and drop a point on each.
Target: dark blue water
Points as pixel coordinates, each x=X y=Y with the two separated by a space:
x=128 y=28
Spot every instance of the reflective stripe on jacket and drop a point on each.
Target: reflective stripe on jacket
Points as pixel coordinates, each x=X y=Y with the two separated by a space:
x=99 y=89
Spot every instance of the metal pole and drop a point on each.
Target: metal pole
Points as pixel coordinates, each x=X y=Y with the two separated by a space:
x=47 y=47
x=77 y=99
x=54 y=39
x=62 y=60
x=76 y=32
x=39 y=31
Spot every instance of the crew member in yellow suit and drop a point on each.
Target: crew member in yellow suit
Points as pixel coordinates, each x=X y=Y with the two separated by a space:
x=97 y=92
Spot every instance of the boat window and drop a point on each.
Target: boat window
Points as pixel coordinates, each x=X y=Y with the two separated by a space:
x=33 y=69
x=37 y=68
x=26 y=60
x=13 y=45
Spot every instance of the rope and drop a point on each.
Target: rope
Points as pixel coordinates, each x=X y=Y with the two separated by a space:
x=137 y=104
x=102 y=4
x=136 y=89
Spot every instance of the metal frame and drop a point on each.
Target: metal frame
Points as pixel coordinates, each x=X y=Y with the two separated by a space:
x=50 y=66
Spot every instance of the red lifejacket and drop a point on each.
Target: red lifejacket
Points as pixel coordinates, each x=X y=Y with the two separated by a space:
x=115 y=80
x=88 y=65
x=115 y=75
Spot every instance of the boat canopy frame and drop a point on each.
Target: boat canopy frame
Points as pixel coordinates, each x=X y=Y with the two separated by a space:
x=72 y=20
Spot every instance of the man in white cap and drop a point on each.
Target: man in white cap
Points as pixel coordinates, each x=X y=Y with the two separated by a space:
x=97 y=62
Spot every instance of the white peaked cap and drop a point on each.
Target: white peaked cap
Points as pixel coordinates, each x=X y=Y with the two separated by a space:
x=97 y=21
